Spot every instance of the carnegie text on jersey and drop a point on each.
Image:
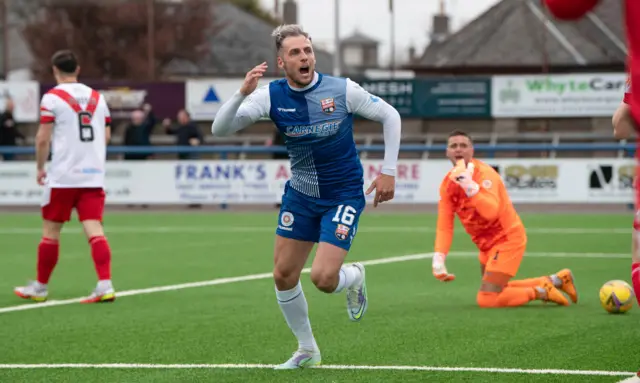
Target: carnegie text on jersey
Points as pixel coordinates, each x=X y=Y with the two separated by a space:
x=324 y=129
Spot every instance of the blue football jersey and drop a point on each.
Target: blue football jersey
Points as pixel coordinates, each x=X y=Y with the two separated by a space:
x=317 y=123
x=318 y=131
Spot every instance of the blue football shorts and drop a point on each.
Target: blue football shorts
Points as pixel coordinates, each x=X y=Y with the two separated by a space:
x=319 y=220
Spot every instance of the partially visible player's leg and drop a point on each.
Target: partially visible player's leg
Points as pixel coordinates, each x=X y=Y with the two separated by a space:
x=290 y=257
x=56 y=209
x=501 y=265
x=298 y=229
x=90 y=207
x=328 y=272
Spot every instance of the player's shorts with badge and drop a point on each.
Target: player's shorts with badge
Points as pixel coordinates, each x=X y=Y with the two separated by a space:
x=317 y=220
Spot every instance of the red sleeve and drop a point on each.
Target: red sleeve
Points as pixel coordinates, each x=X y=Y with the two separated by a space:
x=627 y=91
x=570 y=9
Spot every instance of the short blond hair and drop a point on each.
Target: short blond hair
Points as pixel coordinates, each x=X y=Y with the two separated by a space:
x=287 y=30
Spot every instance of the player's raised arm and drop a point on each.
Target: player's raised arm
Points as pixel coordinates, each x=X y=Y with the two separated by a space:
x=245 y=107
x=486 y=200
x=444 y=235
x=361 y=102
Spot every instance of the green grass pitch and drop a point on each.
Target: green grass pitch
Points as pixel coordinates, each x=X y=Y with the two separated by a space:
x=413 y=319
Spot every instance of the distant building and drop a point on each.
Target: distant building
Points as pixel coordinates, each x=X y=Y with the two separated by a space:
x=519 y=36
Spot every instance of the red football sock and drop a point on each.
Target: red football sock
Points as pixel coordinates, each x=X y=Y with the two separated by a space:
x=635 y=279
x=101 y=254
x=48 y=251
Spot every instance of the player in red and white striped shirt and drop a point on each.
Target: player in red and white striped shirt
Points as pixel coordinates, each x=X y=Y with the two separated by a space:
x=75 y=125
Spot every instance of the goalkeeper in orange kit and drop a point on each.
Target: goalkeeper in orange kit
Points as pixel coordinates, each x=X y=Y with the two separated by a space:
x=474 y=192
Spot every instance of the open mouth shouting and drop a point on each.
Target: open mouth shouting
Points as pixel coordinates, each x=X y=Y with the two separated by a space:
x=305 y=71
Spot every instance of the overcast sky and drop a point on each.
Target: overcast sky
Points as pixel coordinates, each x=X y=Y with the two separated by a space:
x=412 y=25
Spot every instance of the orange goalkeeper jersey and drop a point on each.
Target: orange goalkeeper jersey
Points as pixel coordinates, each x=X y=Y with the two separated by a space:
x=488 y=217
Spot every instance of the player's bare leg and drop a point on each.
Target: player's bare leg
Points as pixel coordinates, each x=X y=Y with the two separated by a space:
x=48 y=253
x=330 y=275
x=101 y=254
x=290 y=256
x=495 y=292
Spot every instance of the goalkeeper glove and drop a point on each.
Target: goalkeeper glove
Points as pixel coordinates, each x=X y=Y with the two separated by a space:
x=439 y=269
x=463 y=176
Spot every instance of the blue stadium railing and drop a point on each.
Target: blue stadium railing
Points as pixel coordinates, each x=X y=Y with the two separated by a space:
x=223 y=150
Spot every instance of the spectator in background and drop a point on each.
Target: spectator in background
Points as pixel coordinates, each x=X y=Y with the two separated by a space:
x=138 y=132
x=186 y=132
x=9 y=132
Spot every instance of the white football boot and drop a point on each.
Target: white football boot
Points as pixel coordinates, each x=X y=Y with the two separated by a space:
x=357 y=301
x=301 y=359
x=34 y=291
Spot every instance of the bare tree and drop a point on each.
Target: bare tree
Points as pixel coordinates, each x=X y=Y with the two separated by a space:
x=111 y=38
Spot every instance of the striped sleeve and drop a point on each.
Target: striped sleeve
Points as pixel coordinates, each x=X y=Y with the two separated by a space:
x=47 y=109
x=107 y=112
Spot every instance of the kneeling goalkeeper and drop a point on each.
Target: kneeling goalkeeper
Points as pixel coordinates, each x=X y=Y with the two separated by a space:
x=474 y=192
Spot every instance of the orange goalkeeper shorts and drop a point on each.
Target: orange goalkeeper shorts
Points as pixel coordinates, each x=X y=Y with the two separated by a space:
x=504 y=257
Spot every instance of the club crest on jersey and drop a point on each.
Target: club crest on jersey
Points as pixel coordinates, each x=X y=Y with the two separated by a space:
x=342 y=232
x=328 y=105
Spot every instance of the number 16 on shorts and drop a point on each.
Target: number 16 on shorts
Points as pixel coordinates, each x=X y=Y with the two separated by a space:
x=344 y=223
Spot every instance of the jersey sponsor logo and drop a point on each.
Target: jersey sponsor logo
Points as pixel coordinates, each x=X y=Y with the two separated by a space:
x=87 y=171
x=328 y=105
x=321 y=130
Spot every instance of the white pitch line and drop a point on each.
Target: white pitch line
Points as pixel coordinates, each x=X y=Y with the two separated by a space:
x=271 y=229
x=252 y=277
x=325 y=367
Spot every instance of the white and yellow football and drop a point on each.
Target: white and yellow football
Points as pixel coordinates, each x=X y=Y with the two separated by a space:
x=616 y=296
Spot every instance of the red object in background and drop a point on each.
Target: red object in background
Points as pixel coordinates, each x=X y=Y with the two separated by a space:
x=575 y=9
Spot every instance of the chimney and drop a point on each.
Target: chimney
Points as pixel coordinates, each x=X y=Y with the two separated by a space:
x=440 y=28
x=290 y=12
x=412 y=53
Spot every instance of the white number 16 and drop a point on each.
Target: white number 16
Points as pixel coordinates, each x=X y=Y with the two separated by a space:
x=347 y=215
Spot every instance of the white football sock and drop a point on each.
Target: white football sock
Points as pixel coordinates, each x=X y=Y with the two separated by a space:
x=296 y=312
x=349 y=276
x=105 y=285
x=39 y=285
